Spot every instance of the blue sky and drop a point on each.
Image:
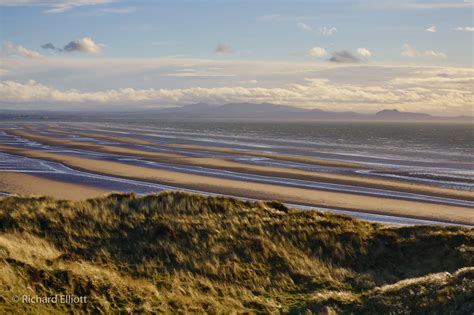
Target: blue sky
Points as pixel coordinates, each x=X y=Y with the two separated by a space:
x=263 y=50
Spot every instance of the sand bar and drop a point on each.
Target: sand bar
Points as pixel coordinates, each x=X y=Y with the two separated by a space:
x=289 y=158
x=309 y=197
x=395 y=185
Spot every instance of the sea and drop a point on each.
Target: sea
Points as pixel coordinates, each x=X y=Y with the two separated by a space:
x=442 y=151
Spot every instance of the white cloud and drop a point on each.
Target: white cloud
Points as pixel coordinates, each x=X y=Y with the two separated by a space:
x=85 y=45
x=327 y=31
x=324 y=31
x=465 y=29
x=364 y=52
x=432 y=53
x=54 y=6
x=410 y=51
x=317 y=52
x=431 y=29
x=11 y=49
x=304 y=27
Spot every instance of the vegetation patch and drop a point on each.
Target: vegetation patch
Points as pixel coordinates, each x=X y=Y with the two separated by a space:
x=183 y=253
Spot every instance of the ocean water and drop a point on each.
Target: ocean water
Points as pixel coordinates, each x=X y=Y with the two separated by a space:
x=432 y=153
x=434 y=142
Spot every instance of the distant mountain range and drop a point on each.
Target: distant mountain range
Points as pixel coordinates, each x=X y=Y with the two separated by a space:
x=264 y=111
x=272 y=111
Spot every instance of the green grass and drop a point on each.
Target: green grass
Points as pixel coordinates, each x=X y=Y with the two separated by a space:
x=183 y=253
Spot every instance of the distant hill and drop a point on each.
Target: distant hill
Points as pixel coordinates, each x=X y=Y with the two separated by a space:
x=263 y=111
x=234 y=110
x=398 y=115
x=178 y=253
x=272 y=111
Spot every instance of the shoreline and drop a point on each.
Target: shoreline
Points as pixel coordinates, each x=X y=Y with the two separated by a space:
x=358 y=203
x=36 y=184
x=27 y=184
x=222 y=164
x=113 y=167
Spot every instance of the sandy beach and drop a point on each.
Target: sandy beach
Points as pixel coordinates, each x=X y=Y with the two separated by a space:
x=223 y=164
x=309 y=197
x=26 y=184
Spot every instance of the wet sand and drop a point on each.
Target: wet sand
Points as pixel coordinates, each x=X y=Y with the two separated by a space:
x=297 y=159
x=396 y=207
x=223 y=164
x=27 y=184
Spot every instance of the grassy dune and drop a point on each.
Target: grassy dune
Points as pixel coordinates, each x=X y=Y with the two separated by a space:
x=182 y=253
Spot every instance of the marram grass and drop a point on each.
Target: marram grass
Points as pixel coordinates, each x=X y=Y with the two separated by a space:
x=183 y=253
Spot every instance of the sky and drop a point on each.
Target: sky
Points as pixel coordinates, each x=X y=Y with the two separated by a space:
x=359 y=55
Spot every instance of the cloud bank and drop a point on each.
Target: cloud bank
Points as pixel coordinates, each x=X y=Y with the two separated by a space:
x=435 y=90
